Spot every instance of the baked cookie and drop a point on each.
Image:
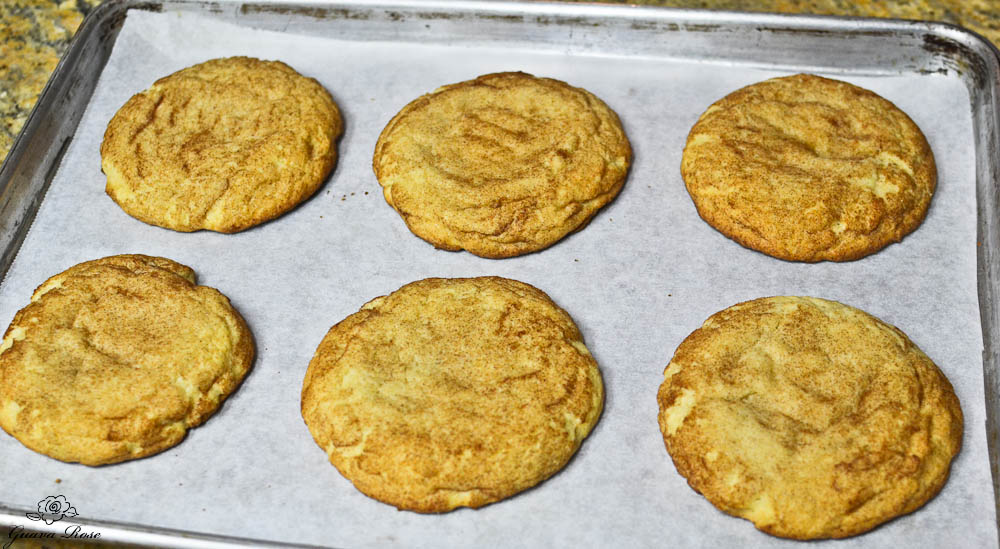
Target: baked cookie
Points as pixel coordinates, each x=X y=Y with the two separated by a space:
x=223 y=145
x=806 y=168
x=452 y=392
x=807 y=417
x=114 y=359
x=502 y=165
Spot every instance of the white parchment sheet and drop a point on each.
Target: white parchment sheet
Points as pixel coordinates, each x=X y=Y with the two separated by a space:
x=645 y=273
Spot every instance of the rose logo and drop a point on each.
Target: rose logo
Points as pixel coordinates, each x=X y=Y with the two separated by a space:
x=53 y=508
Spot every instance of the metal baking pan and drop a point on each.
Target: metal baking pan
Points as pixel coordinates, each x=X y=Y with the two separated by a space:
x=844 y=46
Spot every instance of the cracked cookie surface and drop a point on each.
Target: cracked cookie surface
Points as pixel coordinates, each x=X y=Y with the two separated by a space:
x=807 y=417
x=502 y=165
x=452 y=393
x=806 y=168
x=223 y=145
x=114 y=359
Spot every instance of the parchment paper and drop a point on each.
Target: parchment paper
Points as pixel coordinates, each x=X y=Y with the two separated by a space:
x=645 y=273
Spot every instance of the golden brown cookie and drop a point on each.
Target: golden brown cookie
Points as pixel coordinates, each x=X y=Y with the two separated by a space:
x=502 y=165
x=806 y=168
x=807 y=417
x=451 y=393
x=223 y=145
x=116 y=358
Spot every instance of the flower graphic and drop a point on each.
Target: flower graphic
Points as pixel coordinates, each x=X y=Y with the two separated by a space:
x=53 y=508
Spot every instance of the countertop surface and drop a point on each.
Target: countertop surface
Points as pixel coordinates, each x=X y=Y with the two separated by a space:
x=35 y=33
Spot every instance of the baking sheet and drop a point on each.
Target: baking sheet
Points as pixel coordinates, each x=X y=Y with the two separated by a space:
x=645 y=273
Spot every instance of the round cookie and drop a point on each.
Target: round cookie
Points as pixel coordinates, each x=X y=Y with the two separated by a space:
x=116 y=358
x=223 y=145
x=807 y=417
x=805 y=168
x=502 y=165
x=452 y=392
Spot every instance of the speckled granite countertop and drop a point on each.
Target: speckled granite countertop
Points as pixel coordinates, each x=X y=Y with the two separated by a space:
x=35 y=33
